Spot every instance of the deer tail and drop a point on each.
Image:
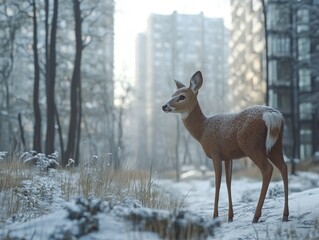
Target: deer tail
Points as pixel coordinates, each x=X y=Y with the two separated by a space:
x=274 y=121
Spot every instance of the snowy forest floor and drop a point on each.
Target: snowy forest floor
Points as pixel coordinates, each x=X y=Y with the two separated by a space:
x=303 y=204
x=45 y=211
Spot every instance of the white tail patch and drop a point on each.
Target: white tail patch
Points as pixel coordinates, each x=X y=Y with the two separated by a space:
x=273 y=120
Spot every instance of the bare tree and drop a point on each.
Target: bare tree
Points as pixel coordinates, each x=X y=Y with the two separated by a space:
x=37 y=112
x=118 y=150
x=12 y=16
x=75 y=118
x=53 y=59
x=50 y=83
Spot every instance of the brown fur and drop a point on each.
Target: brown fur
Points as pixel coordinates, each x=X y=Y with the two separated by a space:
x=226 y=137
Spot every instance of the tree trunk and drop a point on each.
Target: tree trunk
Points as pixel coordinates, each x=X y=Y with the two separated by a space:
x=266 y=49
x=50 y=84
x=36 y=107
x=119 y=147
x=6 y=69
x=21 y=131
x=78 y=137
x=75 y=85
x=59 y=129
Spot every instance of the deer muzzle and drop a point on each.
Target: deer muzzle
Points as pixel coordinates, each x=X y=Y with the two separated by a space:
x=167 y=108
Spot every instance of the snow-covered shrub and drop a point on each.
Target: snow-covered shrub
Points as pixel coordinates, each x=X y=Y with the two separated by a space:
x=179 y=224
x=275 y=192
x=40 y=160
x=83 y=217
x=247 y=197
x=12 y=175
x=34 y=198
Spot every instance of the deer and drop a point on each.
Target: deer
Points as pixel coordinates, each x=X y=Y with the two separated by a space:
x=256 y=133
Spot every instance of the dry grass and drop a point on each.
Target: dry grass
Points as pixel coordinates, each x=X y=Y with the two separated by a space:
x=254 y=173
x=308 y=166
x=96 y=180
x=12 y=173
x=101 y=181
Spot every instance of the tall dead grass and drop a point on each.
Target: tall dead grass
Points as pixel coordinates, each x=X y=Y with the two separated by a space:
x=101 y=181
x=98 y=180
x=12 y=173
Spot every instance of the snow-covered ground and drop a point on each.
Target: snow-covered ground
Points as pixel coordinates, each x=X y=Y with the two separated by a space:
x=303 y=205
x=96 y=220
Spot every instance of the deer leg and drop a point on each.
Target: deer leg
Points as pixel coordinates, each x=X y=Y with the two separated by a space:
x=277 y=159
x=228 y=170
x=218 y=177
x=266 y=170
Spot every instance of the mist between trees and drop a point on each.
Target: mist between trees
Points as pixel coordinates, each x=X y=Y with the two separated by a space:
x=56 y=76
x=57 y=83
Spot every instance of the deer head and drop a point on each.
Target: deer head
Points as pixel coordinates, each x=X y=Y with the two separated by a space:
x=185 y=98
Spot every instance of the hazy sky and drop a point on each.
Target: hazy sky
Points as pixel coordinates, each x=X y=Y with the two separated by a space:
x=131 y=18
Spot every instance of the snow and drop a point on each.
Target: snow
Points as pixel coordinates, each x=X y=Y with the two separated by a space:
x=303 y=205
x=51 y=217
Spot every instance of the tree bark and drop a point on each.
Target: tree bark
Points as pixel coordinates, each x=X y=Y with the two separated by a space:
x=74 y=125
x=21 y=131
x=36 y=106
x=50 y=84
x=266 y=49
x=59 y=129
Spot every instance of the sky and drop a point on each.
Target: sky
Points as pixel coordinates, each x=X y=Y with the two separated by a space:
x=131 y=18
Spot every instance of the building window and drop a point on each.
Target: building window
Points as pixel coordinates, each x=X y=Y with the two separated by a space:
x=302 y=16
x=273 y=99
x=305 y=140
x=304 y=79
x=281 y=100
x=305 y=151
x=279 y=45
x=305 y=111
x=284 y=101
x=303 y=48
x=302 y=28
x=284 y=72
x=288 y=131
x=283 y=45
x=272 y=71
x=278 y=16
x=280 y=72
x=302 y=20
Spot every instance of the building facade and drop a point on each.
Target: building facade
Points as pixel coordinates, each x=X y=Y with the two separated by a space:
x=293 y=73
x=292 y=59
x=247 y=62
x=175 y=47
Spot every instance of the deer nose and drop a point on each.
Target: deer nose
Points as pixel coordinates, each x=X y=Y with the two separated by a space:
x=164 y=107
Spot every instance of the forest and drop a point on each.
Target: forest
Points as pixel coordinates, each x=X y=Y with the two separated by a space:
x=57 y=78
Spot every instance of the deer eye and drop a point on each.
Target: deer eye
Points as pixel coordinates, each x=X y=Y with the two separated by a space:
x=181 y=97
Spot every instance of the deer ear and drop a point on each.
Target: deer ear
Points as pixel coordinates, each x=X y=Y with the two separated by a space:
x=179 y=84
x=196 y=81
